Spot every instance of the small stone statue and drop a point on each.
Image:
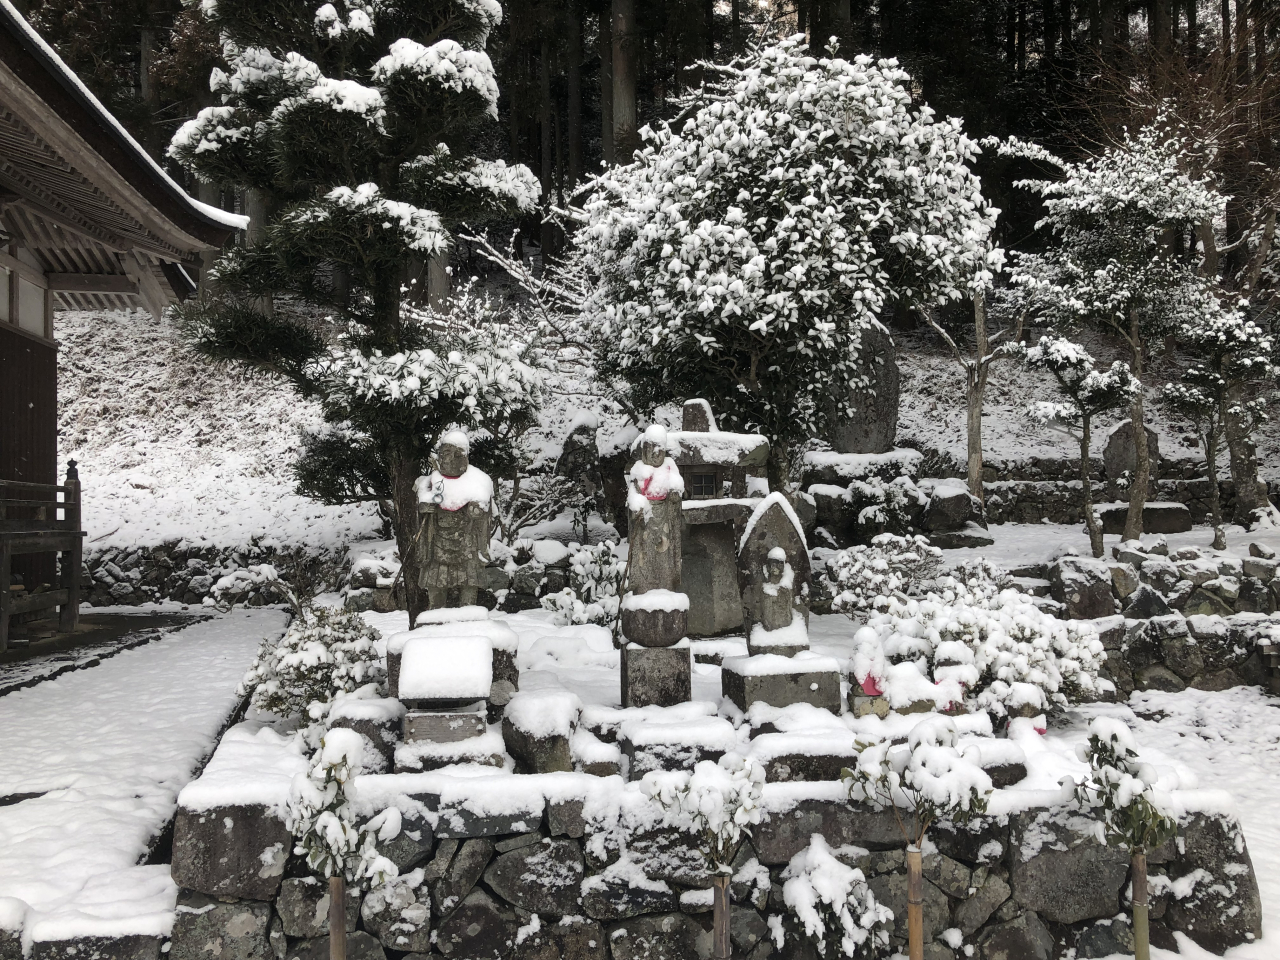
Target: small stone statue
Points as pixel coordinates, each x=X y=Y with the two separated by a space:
x=654 y=494
x=777 y=592
x=455 y=502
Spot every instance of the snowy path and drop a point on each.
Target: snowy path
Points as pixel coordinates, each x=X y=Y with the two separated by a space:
x=109 y=749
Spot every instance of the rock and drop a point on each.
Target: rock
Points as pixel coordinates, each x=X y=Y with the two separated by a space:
x=398 y=913
x=970 y=535
x=410 y=846
x=206 y=929
x=950 y=508
x=1182 y=655
x=1105 y=937
x=137 y=947
x=479 y=928
x=709 y=577
x=1262 y=550
x=1067 y=886
x=783 y=835
x=1083 y=587
x=664 y=936
x=891 y=890
x=977 y=910
x=809 y=767
x=275 y=936
x=1224 y=909
x=819 y=687
x=1124 y=579
x=608 y=898
x=536 y=754
x=949 y=876
x=303 y=905
x=1160 y=573
x=1216 y=680
x=458 y=821
x=980 y=842
x=1119 y=456
x=544 y=878
x=655 y=676
x=464 y=871
x=1157 y=677
x=1261 y=568
x=564 y=818
x=360 y=946
x=1254 y=597
x=746 y=929
x=232 y=851
x=1131 y=552
x=1203 y=602
x=1023 y=938
x=874 y=425
x=1156 y=518
x=1144 y=604
x=572 y=938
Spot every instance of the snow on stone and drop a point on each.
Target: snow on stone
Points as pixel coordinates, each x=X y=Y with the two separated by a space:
x=254 y=764
x=544 y=713
x=446 y=668
x=611 y=718
x=771 y=664
x=654 y=600
x=795 y=634
x=714 y=447
x=108 y=750
x=765 y=504
x=454 y=493
x=859 y=466
x=374 y=709
x=711 y=733
x=453 y=615
x=499 y=635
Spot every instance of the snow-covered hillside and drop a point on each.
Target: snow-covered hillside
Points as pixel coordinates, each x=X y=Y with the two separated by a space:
x=170 y=447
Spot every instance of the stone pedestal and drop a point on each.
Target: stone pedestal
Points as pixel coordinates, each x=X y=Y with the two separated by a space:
x=656 y=676
x=444 y=726
x=782 y=681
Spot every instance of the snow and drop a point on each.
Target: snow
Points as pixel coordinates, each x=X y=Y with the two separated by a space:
x=656 y=599
x=710 y=733
x=446 y=668
x=774 y=498
x=859 y=466
x=795 y=634
x=109 y=750
x=650 y=484
x=454 y=493
x=544 y=713
x=472 y=750
x=499 y=634
x=446 y=62
x=771 y=664
x=453 y=615
x=715 y=447
x=254 y=764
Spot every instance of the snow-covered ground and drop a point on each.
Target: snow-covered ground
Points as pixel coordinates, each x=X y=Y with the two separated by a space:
x=106 y=751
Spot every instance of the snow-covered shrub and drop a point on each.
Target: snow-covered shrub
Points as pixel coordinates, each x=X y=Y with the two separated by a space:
x=718 y=802
x=749 y=249
x=926 y=777
x=240 y=586
x=1121 y=790
x=885 y=506
x=992 y=647
x=323 y=821
x=864 y=577
x=325 y=653
x=594 y=591
x=835 y=907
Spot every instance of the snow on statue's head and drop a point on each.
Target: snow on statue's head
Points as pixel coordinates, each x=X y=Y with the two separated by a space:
x=653 y=447
x=776 y=564
x=451 y=455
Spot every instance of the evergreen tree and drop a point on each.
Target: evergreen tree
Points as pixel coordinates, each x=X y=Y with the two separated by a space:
x=353 y=121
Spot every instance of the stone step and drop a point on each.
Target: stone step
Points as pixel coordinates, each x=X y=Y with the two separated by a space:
x=781 y=681
x=807 y=757
x=488 y=750
x=648 y=746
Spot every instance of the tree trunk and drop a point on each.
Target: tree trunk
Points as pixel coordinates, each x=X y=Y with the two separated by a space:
x=1244 y=460
x=915 y=904
x=405 y=525
x=438 y=280
x=548 y=155
x=337 y=918
x=977 y=384
x=1049 y=15
x=1141 y=928
x=1086 y=479
x=1210 y=440
x=573 y=71
x=721 y=948
x=735 y=12
x=1141 y=455
x=626 y=140
x=605 y=43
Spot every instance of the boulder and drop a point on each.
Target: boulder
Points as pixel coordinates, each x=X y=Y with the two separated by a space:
x=1080 y=882
x=874 y=425
x=891 y=890
x=572 y=938
x=360 y=946
x=951 y=508
x=1160 y=573
x=1022 y=938
x=398 y=913
x=303 y=906
x=746 y=929
x=970 y=535
x=1119 y=457
x=231 y=851
x=536 y=754
x=1262 y=550
x=663 y=936
x=1254 y=597
x=1083 y=586
x=1145 y=603
x=1260 y=567
x=1124 y=579
x=410 y=846
x=207 y=929
x=949 y=876
x=977 y=910
x=461 y=876
x=783 y=835
x=564 y=818
x=1203 y=602
x=1182 y=655
x=1157 y=677
x=608 y=898
x=543 y=878
x=656 y=676
x=134 y=947
x=1223 y=908
x=479 y=928
x=1105 y=938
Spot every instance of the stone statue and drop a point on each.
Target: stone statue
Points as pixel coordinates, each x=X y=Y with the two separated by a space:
x=654 y=495
x=455 y=502
x=777 y=592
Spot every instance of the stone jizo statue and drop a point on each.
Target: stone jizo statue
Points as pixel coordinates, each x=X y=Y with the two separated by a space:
x=654 y=494
x=455 y=502
x=777 y=592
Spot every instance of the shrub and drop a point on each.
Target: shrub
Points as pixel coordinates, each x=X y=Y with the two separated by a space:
x=833 y=903
x=594 y=591
x=864 y=577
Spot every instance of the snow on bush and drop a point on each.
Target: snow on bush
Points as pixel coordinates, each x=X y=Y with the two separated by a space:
x=749 y=249
x=718 y=802
x=593 y=594
x=864 y=577
x=994 y=647
x=323 y=654
x=322 y=818
x=1121 y=790
x=833 y=903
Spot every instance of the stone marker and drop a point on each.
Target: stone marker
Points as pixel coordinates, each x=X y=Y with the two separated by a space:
x=874 y=424
x=455 y=502
x=1118 y=455
x=781 y=629
x=773 y=524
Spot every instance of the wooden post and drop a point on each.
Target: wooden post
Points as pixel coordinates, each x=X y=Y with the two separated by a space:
x=915 y=904
x=337 y=918
x=72 y=558
x=721 y=946
x=5 y=596
x=1141 y=927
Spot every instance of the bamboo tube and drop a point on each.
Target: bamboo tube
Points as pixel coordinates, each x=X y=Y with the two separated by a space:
x=337 y=918
x=722 y=949
x=915 y=904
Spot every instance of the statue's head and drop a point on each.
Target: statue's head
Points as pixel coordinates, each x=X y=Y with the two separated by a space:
x=653 y=448
x=451 y=455
x=776 y=564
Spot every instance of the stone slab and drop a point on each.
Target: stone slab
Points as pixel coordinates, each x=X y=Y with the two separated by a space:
x=443 y=726
x=819 y=688
x=232 y=851
x=656 y=676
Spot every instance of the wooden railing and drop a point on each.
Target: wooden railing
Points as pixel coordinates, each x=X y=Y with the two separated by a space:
x=41 y=518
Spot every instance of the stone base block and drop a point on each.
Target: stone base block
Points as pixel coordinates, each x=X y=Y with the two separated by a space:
x=656 y=676
x=536 y=754
x=1156 y=517
x=230 y=851
x=781 y=681
x=443 y=726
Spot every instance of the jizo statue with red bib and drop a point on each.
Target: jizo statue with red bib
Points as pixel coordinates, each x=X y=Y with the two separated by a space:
x=455 y=502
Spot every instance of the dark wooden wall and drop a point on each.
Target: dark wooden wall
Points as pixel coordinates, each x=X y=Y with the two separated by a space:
x=28 y=425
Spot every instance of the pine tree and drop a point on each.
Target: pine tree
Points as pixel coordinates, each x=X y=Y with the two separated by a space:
x=352 y=121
